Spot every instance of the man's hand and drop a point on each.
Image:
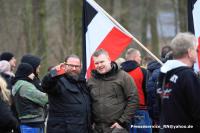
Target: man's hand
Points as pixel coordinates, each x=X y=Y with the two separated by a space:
x=116 y=125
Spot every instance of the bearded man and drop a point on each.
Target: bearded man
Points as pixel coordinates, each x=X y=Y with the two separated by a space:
x=69 y=103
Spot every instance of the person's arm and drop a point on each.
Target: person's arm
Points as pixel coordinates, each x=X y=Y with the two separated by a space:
x=33 y=94
x=144 y=83
x=131 y=95
x=50 y=85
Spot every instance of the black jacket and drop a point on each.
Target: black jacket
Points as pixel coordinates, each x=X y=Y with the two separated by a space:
x=180 y=104
x=69 y=105
x=7 y=119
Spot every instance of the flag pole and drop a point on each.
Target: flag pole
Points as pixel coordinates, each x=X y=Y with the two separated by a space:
x=129 y=34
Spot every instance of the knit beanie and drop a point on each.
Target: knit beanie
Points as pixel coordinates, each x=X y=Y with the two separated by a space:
x=34 y=61
x=24 y=70
x=6 y=56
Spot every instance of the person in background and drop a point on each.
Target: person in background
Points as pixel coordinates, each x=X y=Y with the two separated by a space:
x=35 y=62
x=152 y=84
x=179 y=88
x=8 y=122
x=6 y=73
x=139 y=75
x=114 y=95
x=29 y=101
x=69 y=100
x=8 y=56
x=145 y=61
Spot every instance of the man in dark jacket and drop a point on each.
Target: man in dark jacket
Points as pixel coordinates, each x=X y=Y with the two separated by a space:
x=179 y=88
x=114 y=95
x=69 y=102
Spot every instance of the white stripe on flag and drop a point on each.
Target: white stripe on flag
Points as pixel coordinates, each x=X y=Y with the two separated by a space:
x=196 y=21
x=196 y=18
x=96 y=32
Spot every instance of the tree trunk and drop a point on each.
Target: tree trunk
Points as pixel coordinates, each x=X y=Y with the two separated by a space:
x=28 y=25
x=144 y=22
x=175 y=10
x=182 y=12
x=117 y=10
x=42 y=34
x=153 y=25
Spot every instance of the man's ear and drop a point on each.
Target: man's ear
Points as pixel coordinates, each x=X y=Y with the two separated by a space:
x=189 y=52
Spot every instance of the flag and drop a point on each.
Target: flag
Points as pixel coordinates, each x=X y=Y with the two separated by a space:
x=194 y=24
x=100 y=31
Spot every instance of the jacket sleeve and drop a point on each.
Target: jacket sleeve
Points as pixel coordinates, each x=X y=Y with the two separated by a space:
x=49 y=85
x=33 y=94
x=131 y=96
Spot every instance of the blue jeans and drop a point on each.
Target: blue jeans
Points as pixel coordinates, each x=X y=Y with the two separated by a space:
x=28 y=129
x=141 y=123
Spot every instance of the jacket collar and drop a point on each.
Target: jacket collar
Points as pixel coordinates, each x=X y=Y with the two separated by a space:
x=170 y=65
x=129 y=65
x=112 y=72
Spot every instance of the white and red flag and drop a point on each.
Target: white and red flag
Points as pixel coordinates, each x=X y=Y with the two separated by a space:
x=194 y=24
x=100 y=31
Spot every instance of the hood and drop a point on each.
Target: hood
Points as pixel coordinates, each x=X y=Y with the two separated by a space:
x=153 y=65
x=109 y=74
x=171 y=65
x=129 y=65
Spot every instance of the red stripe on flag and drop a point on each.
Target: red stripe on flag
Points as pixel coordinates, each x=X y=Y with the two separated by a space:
x=198 y=53
x=114 y=43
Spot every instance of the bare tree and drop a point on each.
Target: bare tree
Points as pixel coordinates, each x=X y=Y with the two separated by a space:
x=153 y=25
x=182 y=13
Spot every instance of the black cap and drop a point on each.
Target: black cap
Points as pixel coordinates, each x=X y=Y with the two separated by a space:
x=33 y=60
x=24 y=70
x=6 y=56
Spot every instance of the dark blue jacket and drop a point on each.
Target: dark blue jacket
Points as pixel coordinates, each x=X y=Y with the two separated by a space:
x=153 y=106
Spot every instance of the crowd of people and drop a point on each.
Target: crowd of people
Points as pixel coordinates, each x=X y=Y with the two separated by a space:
x=121 y=96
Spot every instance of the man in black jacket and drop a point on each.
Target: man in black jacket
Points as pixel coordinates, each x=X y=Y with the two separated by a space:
x=179 y=88
x=69 y=103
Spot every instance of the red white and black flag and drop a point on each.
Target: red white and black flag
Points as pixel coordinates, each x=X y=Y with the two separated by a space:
x=194 y=23
x=99 y=31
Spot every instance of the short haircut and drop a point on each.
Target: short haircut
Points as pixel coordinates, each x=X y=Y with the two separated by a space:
x=100 y=52
x=181 y=43
x=72 y=56
x=130 y=51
